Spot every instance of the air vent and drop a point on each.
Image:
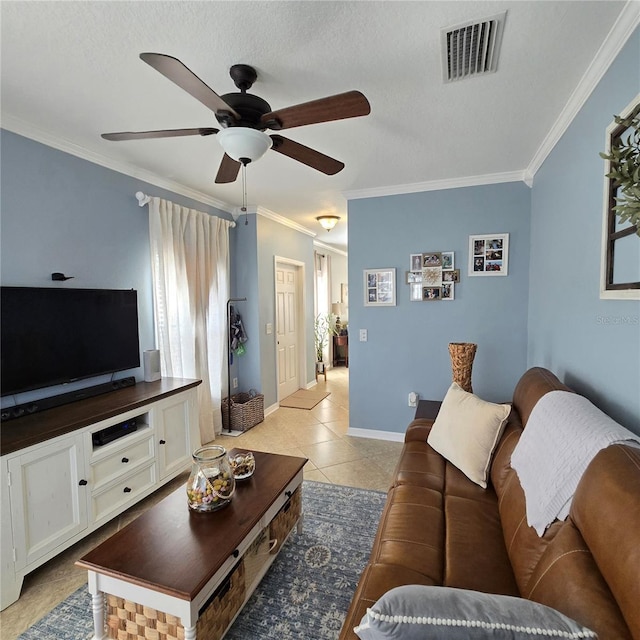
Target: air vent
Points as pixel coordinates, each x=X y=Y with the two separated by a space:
x=472 y=48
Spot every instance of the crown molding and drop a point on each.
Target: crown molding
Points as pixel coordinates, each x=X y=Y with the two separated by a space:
x=276 y=217
x=328 y=247
x=15 y=125
x=437 y=185
x=617 y=37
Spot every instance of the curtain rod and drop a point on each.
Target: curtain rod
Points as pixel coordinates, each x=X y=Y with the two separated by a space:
x=143 y=199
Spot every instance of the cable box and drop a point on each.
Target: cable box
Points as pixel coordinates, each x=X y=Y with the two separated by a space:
x=104 y=436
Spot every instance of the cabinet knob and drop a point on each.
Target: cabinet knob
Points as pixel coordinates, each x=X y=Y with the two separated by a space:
x=125 y=460
x=163 y=442
x=127 y=489
x=82 y=482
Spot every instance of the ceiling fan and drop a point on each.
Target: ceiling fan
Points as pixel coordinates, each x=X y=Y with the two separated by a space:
x=244 y=117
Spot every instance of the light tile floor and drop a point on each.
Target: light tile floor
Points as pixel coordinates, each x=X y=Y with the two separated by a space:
x=319 y=435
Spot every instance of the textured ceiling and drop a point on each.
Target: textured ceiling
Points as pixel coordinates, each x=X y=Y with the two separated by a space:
x=71 y=71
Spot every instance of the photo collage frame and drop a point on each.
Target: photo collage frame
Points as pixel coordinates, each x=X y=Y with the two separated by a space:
x=432 y=276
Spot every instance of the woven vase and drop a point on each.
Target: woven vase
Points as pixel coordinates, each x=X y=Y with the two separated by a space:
x=462 y=355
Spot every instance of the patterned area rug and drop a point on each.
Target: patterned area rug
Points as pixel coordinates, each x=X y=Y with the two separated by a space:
x=307 y=591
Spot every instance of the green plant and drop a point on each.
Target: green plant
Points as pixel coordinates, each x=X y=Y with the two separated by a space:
x=624 y=160
x=323 y=327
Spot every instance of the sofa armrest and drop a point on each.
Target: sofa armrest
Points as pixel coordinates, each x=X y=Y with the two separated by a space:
x=418 y=430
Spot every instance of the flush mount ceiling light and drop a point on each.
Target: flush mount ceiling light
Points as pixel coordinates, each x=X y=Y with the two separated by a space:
x=243 y=144
x=328 y=222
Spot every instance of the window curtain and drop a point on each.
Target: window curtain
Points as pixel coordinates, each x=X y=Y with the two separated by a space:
x=190 y=270
x=323 y=286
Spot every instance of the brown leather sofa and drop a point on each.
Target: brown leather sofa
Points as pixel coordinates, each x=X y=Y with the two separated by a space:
x=439 y=528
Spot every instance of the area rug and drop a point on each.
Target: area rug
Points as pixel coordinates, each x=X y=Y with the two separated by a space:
x=306 y=592
x=303 y=399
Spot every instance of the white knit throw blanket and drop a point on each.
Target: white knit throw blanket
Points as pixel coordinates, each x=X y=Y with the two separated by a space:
x=563 y=434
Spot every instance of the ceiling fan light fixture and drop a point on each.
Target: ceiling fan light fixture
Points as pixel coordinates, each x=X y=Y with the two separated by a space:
x=244 y=144
x=328 y=222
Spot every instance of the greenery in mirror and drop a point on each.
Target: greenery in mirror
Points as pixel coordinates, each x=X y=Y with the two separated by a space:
x=624 y=162
x=323 y=327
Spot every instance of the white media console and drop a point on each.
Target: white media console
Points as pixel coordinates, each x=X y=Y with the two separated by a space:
x=58 y=485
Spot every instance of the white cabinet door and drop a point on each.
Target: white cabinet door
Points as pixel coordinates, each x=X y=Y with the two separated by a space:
x=174 y=420
x=48 y=497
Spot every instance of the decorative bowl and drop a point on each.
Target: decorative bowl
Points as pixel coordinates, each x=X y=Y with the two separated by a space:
x=243 y=464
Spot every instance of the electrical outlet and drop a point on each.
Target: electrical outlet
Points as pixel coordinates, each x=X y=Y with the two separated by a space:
x=235 y=383
x=363 y=335
x=413 y=399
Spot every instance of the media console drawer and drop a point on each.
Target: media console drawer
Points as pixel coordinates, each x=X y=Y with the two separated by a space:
x=105 y=468
x=109 y=501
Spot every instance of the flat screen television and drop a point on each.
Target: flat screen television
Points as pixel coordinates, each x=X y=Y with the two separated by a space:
x=53 y=336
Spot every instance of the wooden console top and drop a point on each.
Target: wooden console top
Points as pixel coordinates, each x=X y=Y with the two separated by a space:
x=175 y=551
x=39 y=427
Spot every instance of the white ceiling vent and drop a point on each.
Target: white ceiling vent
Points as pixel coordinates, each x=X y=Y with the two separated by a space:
x=472 y=48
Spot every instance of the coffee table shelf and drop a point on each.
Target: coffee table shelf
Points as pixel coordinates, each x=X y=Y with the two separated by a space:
x=172 y=560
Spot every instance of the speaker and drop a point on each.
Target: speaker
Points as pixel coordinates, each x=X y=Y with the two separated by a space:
x=151 y=360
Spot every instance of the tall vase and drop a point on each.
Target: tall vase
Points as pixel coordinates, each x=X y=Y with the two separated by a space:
x=462 y=355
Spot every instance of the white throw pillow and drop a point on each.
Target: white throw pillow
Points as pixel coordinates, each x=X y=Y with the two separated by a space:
x=467 y=430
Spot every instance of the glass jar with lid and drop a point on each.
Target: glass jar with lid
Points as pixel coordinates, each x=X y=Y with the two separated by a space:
x=211 y=484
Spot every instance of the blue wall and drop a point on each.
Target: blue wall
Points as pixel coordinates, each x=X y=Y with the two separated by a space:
x=62 y=213
x=273 y=240
x=407 y=347
x=592 y=344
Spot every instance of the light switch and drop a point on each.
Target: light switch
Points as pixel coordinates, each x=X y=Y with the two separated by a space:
x=269 y=328
x=363 y=335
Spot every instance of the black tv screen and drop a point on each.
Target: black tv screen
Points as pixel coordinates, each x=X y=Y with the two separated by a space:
x=52 y=336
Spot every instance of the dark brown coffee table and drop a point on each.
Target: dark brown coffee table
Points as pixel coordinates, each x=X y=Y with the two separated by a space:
x=173 y=567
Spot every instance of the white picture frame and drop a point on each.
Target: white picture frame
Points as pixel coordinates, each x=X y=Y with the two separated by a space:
x=380 y=287
x=448 y=262
x=489 y=254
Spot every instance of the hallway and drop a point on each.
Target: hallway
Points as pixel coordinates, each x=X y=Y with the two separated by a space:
x=320 y=434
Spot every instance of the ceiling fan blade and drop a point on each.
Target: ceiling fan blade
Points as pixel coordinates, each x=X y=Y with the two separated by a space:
x=228 y=171
x=344 y=105
x=306 y=155
x=165 y=133
x=181 y=75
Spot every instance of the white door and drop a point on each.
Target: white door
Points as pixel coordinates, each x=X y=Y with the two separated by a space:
x=287 y=332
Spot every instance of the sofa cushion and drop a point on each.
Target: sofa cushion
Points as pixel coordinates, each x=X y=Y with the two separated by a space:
x=467 y=430
x=411 y=531
x=612 y=482
x=418 y=612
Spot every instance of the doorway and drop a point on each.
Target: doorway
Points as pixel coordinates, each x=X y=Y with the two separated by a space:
x=290 y=352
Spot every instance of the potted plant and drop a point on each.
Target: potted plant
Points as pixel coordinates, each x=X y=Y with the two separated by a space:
x=323 y=327
x=624 y=163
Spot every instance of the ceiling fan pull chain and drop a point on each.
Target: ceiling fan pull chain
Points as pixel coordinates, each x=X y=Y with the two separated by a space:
x=244 y=193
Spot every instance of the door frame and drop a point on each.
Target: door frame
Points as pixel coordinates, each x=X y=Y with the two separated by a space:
x=301 y=333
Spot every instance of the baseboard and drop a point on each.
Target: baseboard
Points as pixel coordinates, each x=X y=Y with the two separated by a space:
x=392 y=436
x=271 y=409
x=310 y=385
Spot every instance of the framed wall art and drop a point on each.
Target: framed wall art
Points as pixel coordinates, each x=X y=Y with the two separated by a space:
x=415 y=292
x=447 y=261
x=380 y=287
x=489 y=254
x=415 y=262
x=448 y=290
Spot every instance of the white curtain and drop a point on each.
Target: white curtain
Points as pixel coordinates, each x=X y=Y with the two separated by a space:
x=190 y=269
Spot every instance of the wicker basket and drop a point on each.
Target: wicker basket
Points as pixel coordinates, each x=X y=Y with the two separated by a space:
x=246 y=411
x=127 y=620
x=256 y=557
x=281 y=525
x=462 y=355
